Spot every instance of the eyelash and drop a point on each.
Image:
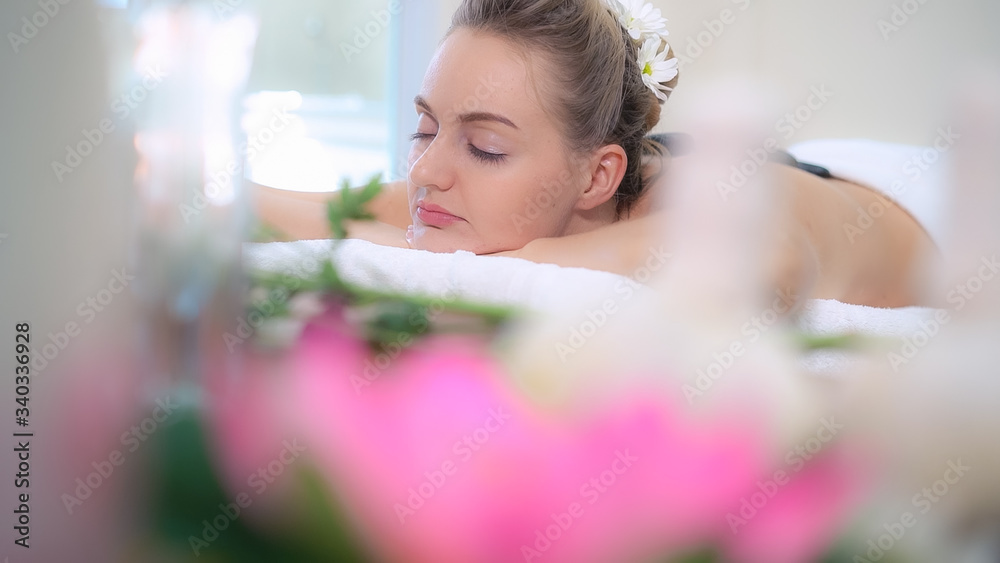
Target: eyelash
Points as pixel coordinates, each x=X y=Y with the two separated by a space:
x=476 y=152
x=487 y=157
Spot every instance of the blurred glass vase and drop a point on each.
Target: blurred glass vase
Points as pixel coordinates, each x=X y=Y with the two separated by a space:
x=190 y=67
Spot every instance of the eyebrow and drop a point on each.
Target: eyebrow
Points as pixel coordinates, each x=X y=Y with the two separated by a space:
x=469 y=117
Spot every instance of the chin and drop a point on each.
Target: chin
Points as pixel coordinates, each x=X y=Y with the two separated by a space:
x=437 y=240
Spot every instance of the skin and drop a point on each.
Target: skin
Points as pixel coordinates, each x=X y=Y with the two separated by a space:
x=486 y=150
x=485 y=146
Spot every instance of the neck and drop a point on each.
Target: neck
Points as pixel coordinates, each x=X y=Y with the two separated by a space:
x=588 y=220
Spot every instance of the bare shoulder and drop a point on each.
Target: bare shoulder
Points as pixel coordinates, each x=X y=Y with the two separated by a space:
x=620 y=247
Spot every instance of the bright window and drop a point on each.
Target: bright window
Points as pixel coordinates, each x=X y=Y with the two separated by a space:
x=344 y=72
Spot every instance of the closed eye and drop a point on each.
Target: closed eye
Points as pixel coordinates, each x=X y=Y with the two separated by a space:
x=484 y=156
x=418 y=136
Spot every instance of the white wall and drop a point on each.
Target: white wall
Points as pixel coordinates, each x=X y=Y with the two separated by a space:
x=892 y=89
x=888 y=85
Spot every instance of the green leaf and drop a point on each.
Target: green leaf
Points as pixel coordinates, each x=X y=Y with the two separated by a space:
x=265 y=233
x=373 y=188
x=846 y=341
x=186 y=491
x=351 y=205
x=321 y=526
x=330 y=280
x=703 y=555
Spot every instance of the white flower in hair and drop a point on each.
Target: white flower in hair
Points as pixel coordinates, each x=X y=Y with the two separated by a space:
x=655 y=67
x=647 y=28
x=639 y=18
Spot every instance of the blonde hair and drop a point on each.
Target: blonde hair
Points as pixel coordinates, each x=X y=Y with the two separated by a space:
x=598 y=95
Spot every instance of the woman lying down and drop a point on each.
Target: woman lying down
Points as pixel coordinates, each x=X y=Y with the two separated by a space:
x=564 y=99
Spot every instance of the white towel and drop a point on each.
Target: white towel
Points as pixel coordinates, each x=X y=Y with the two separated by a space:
x=488 y=279
x=831 y=317
x=545 y=288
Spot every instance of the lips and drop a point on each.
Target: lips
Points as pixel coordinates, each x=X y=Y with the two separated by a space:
x=435 y=215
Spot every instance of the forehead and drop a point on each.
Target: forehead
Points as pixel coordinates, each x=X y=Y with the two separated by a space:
x=478 y=71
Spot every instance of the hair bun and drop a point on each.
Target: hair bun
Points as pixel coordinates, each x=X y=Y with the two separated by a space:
x=653 y=116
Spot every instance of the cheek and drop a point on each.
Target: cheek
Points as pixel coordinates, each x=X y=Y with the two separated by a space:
x=546 y=203
x=518 y=216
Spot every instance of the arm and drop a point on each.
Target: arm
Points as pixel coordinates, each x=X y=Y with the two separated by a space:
x=302 y=215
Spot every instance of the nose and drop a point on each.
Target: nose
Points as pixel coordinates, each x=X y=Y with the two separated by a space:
x=434 y=167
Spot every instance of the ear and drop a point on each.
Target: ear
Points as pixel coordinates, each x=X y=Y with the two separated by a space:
x=607 y=168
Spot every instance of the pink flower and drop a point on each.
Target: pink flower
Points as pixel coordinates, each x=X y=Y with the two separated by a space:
x=440 y=460
x=805 y=515
x=250 y=405
x=436 y=457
